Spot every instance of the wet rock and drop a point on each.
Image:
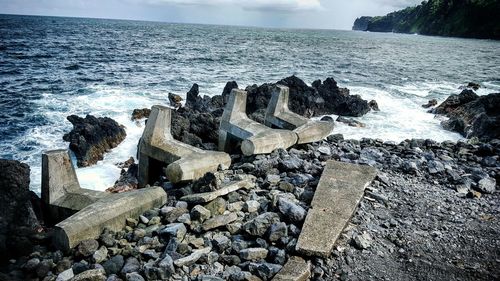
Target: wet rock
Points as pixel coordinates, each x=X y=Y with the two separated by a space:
x=91 y=137
x=373 y=105
x=140 y=113
x=430 y=103
x=175 y=100
x=351 y=122
x=128 y=180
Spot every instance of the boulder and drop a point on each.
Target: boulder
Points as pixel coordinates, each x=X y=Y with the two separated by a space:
x=140 y=113
x=91 y=137
x=472 y=115
x=17 y=218
x=127 y=181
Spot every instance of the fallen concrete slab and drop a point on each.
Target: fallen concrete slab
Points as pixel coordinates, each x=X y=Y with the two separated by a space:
x=205 y=197
x=236 y=129
x=61 y=191
x=278 y=115
x=110 y=212
x=295 y=269
x=339 y=191
x=158 y=148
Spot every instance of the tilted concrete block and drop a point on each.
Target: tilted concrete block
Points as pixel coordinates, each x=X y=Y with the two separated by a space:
x=335 y=200
x=278 y=115
x=255 y=138
x=110 y=212
x=61 y=191
x=158 y=148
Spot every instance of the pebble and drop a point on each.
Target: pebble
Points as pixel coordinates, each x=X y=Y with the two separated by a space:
x=252 y=254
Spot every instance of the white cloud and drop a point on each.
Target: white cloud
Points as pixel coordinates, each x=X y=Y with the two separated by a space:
x=262 y=5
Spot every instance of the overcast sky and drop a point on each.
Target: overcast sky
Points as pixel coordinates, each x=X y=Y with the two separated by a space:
x=329 y=14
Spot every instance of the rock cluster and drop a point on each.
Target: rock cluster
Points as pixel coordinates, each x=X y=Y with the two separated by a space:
x=249 y=234
x=472 y=115
x=91 y=137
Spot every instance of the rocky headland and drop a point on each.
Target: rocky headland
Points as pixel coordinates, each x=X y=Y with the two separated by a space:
x=473 y=19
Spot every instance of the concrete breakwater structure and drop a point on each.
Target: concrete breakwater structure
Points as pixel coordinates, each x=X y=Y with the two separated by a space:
x=85 y=214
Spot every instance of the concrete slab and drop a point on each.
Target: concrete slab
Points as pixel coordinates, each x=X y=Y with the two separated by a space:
x=278 y=115
x=110 y=212
x=339 y=191
x=295 y=269
x=158 y=148
x=61 y=191
x=206 y=197
x=255 y=138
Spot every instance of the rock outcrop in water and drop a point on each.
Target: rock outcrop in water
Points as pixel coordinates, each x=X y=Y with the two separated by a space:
x=474 y=18
x=197 y=123
x=472 y=115
x=91 y=137
x=17 y=218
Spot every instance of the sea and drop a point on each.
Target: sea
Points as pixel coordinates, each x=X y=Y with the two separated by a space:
x=52 y=67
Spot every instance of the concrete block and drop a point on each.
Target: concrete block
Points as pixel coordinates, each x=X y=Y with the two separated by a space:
x=158 y=148
x=110 y=212
x=278 y=115
x=61 y=191
x=339 y=191
x=210 y=196
x=255 y=138
x=295 y=269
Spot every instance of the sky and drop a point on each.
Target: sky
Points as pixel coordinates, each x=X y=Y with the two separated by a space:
x=324 y=14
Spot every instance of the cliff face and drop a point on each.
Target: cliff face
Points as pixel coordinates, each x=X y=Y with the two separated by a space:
x=458 y=18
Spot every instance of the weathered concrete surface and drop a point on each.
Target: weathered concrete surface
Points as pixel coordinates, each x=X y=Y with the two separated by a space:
x=209 y=196
x=184 y=162
x=255 y=138
x=295 y=269
x=109 y=212
x=61 y=191
x=279 y=115
x=339 y=191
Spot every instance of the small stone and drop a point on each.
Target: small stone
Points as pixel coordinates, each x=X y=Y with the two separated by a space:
x=276 y=231
x=291 y=210
x=217 y=206
x=200 y=213
x=253 y=254
x=252 y=206
x=143 y=219
x=193 y=258
x=100 y=255
x=131 y=265
x=177 y=230
x=131 y=222
x=221 y=243
x=266 y=270
x=487 y=185
x=181 y=204
x=286 y=186
x=114 y=265
x=363 y=241
x=91 y=275
x=273 y=179
x=325 y=150
x=44 y=268
x=154 y=220
x=134 y=276
x=87 y=247
x=65 y=275
x=31 y=264
x=138 y=234
x=219 y=221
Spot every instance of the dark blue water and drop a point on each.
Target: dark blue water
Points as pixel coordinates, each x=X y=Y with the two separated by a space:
x=52 y=67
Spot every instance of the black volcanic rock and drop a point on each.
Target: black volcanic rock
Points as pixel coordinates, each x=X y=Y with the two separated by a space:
x=91 y=137
x=472 y=115
x=17 y=218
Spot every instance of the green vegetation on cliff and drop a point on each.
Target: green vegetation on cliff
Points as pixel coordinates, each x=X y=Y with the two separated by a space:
x=460 y=18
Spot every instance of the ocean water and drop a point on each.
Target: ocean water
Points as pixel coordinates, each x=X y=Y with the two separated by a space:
x=53 y=67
